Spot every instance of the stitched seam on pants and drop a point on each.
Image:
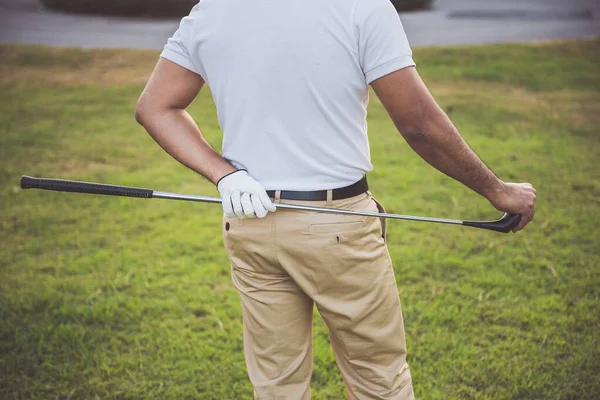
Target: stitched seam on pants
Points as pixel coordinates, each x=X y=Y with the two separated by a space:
x=383 y=221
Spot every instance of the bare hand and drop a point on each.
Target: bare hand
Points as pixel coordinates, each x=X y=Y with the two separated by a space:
x=516 y=198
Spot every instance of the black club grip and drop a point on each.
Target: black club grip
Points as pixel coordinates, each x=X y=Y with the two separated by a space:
x=504 y=224
x=59 y=185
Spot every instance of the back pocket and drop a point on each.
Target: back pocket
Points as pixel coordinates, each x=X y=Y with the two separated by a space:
x=337 y=227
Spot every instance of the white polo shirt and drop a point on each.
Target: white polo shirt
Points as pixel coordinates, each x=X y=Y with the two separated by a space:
x=290 y=82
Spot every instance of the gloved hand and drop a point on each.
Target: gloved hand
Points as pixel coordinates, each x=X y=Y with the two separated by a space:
x=243 y=196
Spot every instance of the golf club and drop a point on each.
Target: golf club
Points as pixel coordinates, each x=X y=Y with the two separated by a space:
x=504 y=224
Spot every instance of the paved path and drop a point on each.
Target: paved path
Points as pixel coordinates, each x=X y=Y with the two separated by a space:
x=450 y=22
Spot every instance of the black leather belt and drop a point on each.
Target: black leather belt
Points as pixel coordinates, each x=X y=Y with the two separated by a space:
x=321 y=195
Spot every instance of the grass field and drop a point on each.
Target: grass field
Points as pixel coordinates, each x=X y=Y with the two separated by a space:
x=125 y=298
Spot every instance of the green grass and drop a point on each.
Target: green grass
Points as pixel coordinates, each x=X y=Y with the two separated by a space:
x=121 y=298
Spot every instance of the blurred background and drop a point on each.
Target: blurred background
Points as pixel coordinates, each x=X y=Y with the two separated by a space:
x=148 y=23
x=117 y=298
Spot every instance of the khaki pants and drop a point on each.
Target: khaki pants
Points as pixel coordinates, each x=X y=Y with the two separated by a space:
x=284 y=264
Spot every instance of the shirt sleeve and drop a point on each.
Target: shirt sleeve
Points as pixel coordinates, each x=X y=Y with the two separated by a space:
x=382 y=43
x=178 y=46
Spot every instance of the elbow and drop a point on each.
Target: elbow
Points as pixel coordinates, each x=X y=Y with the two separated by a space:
x=422 y=127
x=422 y=124
x=413 y=126
x=146 y=109
x=413 y=131
x=141 y=113
x=415 y=134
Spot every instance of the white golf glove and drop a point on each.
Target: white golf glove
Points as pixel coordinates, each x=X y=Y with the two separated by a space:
x=243 y=196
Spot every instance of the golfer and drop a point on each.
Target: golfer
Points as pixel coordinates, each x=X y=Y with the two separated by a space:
x=290 y=80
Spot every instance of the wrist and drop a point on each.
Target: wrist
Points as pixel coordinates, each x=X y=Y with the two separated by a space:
x=235 y=171
x=494 y=191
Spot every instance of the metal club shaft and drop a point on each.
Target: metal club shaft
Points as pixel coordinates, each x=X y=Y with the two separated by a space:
x=505 y=224
x=208 y=199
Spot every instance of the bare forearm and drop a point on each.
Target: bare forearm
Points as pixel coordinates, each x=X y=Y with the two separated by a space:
x=439 y=143
x=161 y=110
x=177 y=133
x=429 y=131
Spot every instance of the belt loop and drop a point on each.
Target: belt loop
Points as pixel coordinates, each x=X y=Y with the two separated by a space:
x=278 y=196
x=330 y=198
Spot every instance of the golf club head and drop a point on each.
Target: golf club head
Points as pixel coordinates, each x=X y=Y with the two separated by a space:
x=504 y=224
